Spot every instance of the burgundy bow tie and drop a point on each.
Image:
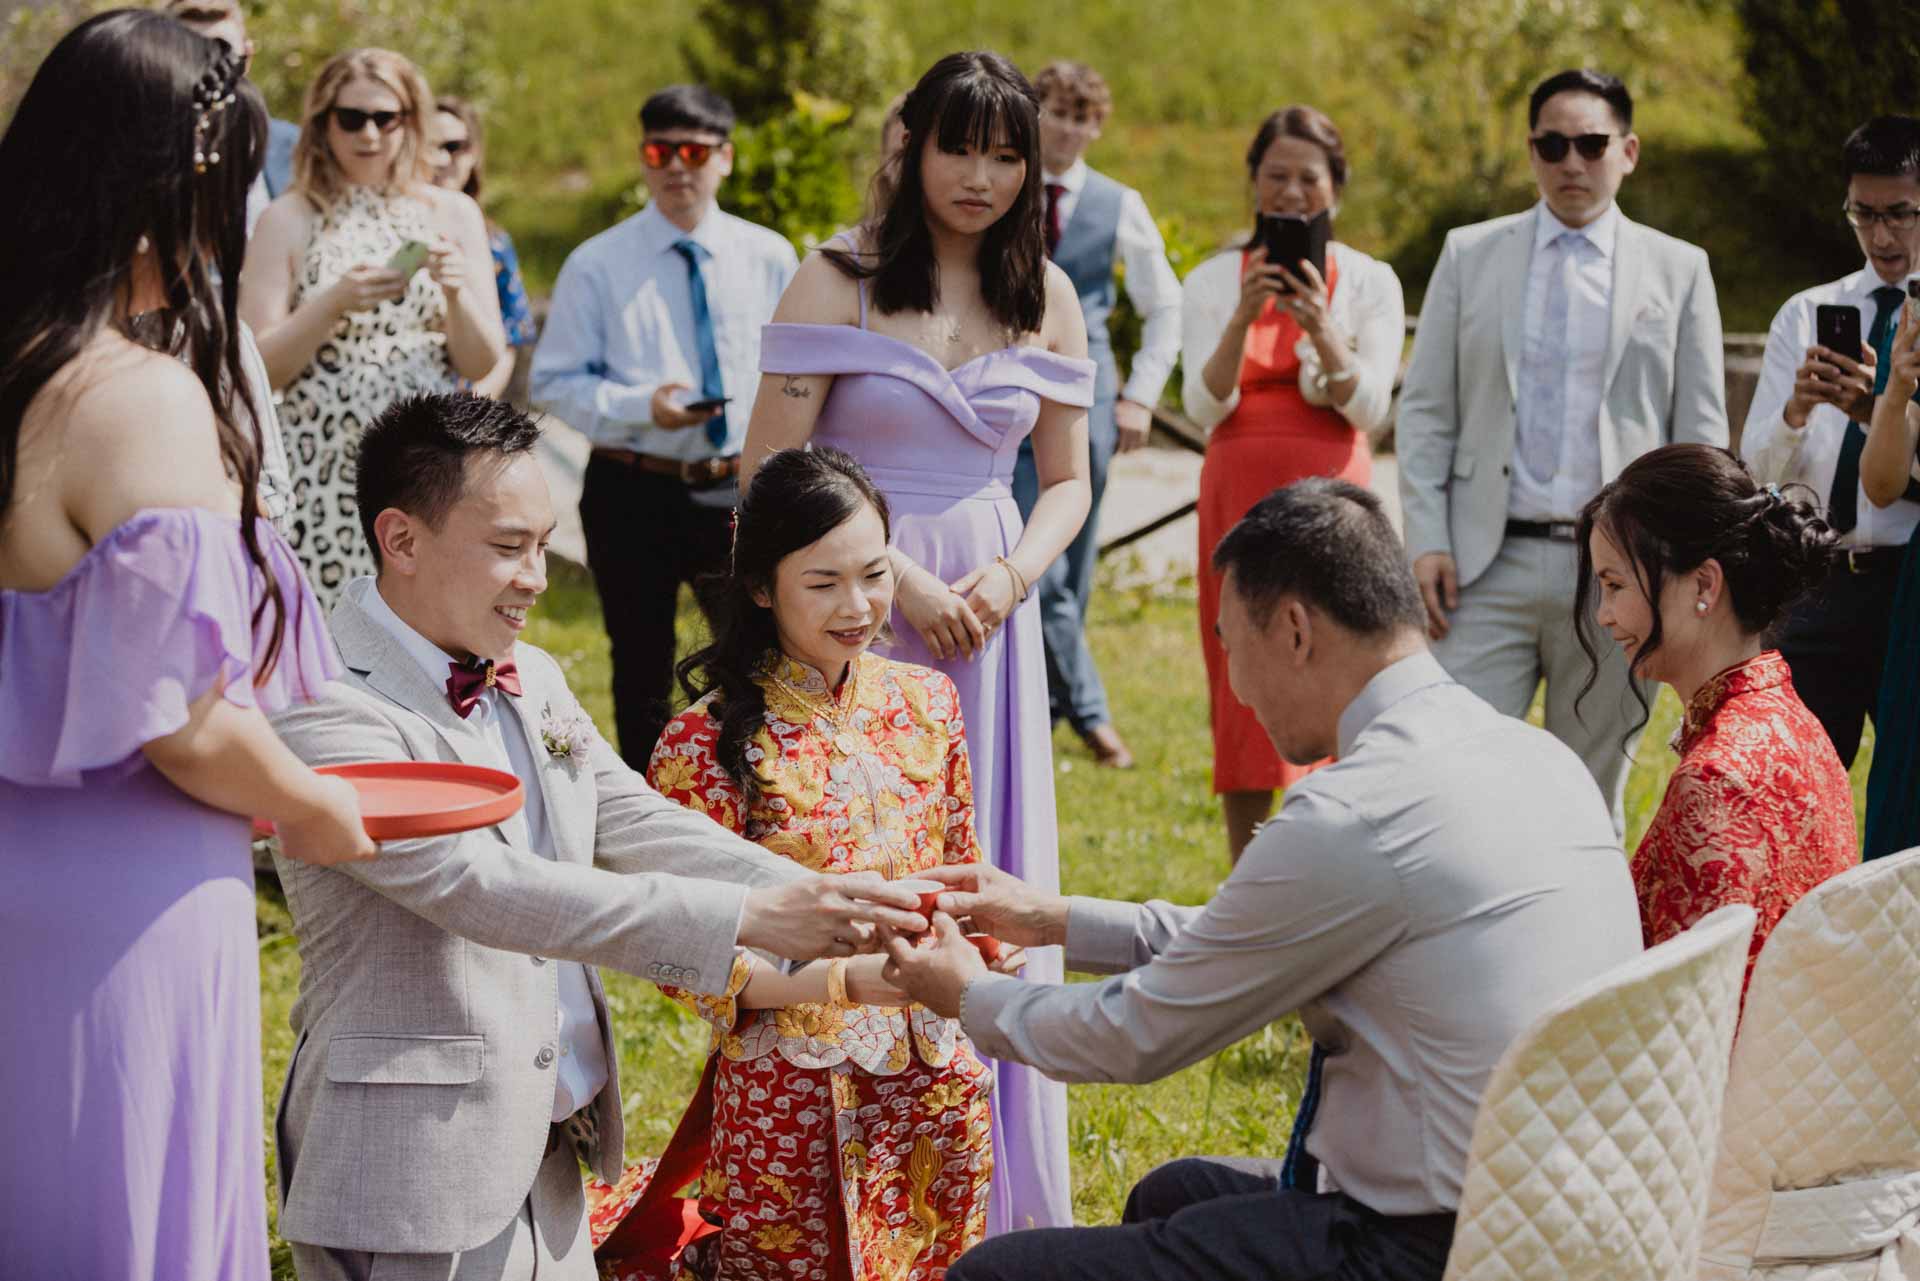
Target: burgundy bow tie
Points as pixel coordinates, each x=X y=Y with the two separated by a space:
x=469 y=682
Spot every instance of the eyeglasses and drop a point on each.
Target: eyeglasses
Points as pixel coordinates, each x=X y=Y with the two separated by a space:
x=453 y=146
x=1898 y=218
x=659 y=155
x=352 y=121
x=1552 y=146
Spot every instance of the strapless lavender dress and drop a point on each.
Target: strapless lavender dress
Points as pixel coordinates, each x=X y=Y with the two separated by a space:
x=130 y=1138
x=941 y=445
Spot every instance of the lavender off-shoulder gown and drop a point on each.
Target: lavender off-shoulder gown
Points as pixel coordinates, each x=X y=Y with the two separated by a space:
x=130 y=1105
x=941 y=445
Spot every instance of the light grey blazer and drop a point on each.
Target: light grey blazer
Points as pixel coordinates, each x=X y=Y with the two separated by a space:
x=417 y=1103
x=1664 y=376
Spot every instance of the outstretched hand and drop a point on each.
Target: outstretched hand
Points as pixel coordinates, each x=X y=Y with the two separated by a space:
x=827 y=915
x=936 y=970
x=1001 y=904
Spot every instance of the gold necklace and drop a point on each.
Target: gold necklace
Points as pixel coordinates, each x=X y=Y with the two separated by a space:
x=836 y=715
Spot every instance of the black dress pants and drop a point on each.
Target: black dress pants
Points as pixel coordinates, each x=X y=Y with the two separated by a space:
x=1835 y=644
x=645 y=536
x=1222 y=1219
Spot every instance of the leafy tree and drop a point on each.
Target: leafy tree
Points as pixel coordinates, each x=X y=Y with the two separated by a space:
x=759 y=53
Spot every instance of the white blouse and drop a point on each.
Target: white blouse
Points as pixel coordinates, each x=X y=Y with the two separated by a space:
x=1368 y=307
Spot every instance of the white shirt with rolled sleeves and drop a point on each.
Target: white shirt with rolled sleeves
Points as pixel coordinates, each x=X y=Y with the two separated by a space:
x=1150 y=284
x=1368 y=306
x=622 y=324
x=1782 y=455
x=1419 y=902
x=582 y=1071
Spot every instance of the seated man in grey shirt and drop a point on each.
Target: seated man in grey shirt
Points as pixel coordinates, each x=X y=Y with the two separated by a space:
x=1418 y=903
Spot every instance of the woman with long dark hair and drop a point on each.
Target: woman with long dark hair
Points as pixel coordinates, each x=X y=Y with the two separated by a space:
x=1689 y=567
x=876 y=1112
x=1289 y=375
x=146 y=628
x=928 y=345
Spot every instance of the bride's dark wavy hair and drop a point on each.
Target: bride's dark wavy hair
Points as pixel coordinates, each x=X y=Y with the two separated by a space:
x=797 y=498
x=974 y=99
x=1673 y=509
x=107 y=146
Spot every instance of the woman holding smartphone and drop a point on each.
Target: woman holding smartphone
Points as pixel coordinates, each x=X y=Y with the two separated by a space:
x=357 y=288
x=1289 y=371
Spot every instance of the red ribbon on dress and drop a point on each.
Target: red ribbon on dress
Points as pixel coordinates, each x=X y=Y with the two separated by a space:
x=468 y=683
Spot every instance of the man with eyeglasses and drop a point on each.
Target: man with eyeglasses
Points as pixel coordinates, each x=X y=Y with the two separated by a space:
x=1555 y=346
x=652 y=349
x=1808 y=426
x=1093 y=224
x=226 y=20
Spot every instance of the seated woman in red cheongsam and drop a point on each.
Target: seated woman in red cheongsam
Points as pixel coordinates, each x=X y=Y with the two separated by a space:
x=847 y=1132
x=1688 y=566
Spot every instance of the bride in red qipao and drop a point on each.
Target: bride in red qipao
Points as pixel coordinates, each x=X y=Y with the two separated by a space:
x=839 y=1133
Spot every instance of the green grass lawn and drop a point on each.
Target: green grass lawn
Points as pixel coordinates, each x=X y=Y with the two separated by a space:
x=1154 y=832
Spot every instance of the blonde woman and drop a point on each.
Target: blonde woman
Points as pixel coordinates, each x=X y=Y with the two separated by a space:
x=347 y=324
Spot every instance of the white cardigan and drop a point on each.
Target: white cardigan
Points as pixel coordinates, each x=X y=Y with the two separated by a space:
x=1367 y=306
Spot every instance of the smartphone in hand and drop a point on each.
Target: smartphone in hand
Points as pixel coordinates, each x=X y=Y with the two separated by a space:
x=1837 y=328
x=706 y=406
x=1290 y=240
x=408 y=258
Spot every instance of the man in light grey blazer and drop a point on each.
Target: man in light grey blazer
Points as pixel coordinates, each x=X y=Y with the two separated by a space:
x=453 y=1045
x=1554 y=347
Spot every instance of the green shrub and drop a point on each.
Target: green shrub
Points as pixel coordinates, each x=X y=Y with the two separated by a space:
x=760 y=55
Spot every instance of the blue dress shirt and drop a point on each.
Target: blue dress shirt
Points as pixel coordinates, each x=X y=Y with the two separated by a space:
x=622 y=324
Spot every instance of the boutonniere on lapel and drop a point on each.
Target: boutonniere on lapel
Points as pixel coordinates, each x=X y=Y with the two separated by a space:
x=568 y=737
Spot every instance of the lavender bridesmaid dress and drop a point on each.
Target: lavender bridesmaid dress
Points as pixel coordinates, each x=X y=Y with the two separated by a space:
x=941 y=445
x=130 y=1139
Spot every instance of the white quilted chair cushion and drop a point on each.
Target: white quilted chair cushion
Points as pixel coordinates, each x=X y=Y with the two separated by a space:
x=1594 y=1143
x=1819 y=1169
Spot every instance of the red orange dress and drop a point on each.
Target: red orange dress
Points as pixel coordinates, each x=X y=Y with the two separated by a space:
x=1759 y=810
x=847 y=1142
x=1272 y=438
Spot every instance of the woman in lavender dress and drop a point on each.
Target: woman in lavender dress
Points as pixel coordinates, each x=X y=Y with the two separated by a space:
x=928 y=345
x=145 y=630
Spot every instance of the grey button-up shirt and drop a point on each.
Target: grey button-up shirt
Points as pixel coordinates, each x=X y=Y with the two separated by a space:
x=1419 y=903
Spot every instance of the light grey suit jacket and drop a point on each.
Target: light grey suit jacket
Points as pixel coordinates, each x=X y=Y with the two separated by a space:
x=418 y=1099
x=1664 y=377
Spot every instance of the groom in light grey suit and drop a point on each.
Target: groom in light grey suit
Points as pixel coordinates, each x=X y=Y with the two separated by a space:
x=453 y=1045
x=1554 y=347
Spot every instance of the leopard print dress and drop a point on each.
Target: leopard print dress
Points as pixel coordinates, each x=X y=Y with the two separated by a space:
x=372 y=359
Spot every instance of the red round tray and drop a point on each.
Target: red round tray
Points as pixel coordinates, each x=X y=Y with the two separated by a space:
x=406 y=800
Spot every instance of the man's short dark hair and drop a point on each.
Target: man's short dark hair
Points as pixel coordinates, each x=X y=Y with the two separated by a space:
x=414 y=455
x=1329 y=543
x=1583 y=80
x=1884 y=147
x=687 y=107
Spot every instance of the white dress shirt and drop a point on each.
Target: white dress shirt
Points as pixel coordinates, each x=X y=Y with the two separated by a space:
x=1368 y=307
x=583 y=1060
x=622 y=323
x=1419 y=902
x=1150 y=284
x=1781 y=455
x=1589 y=280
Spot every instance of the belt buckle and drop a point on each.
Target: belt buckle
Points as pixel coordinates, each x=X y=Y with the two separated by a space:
x=703 y=472
x=1562 y=530
x=1854 y=563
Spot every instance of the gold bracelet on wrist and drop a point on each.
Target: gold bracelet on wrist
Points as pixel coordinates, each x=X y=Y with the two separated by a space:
x=837 y=982
x=1019 y=579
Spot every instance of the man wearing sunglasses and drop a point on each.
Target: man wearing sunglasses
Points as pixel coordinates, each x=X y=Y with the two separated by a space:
x=1554 y=347
x=652 y=349
x=226 y=20
x=1808 y=425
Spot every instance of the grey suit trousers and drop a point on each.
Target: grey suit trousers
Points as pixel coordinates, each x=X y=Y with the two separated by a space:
x=547 y=1241
x=1515 y=626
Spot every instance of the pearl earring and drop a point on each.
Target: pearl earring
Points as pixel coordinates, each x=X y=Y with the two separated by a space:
x=1699 y=607
x=143 y=245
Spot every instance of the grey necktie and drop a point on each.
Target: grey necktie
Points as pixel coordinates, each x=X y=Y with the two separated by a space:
x=1546 y=393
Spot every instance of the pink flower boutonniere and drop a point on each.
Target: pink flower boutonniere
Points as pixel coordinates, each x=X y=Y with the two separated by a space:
x=569 y=736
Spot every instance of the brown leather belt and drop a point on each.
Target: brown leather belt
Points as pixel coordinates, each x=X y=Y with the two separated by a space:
x=697 y=473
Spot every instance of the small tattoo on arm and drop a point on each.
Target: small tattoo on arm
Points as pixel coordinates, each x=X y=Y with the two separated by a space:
x=793 y=387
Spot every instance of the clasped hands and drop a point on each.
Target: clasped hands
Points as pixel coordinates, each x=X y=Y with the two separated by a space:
x=955 y=619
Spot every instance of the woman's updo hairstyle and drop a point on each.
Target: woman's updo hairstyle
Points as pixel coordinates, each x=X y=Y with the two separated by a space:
x=1675 y=508
x=797 y=498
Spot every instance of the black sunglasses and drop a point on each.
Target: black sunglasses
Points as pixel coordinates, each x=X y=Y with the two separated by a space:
x=352 y=121
x=1553 y=146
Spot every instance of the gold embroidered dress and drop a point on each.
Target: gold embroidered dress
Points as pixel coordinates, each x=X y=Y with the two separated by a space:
x=883 y=1111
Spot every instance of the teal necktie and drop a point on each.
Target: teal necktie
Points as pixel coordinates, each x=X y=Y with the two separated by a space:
x=711 y=386
x=1843 y=506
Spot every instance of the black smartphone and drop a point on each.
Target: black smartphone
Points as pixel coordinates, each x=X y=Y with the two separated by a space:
x=1291 y=240
x=705 y=406
x=1837 y=328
